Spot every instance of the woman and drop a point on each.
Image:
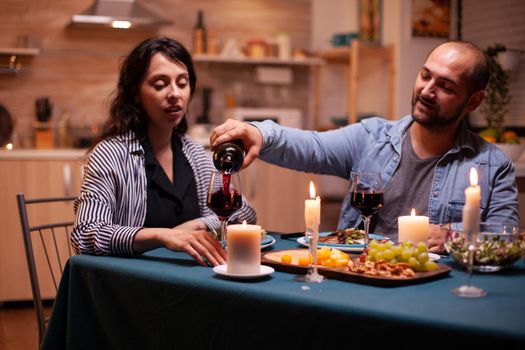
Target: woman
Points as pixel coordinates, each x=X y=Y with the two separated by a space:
x=146 y=181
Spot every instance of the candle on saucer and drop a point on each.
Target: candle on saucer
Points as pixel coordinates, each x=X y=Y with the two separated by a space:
x=413 y=228
x=471 y=211
x=312 y=209
x=244 y=249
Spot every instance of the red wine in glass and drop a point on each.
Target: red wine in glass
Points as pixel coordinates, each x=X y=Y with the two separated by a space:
x=224 y=204
x=366 y=197
x=366 y=202
x=224 y=198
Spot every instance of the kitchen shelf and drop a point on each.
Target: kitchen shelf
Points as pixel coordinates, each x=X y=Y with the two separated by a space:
x=19 y=51
x=307 y=61
x=352 y=56
x=13 y=66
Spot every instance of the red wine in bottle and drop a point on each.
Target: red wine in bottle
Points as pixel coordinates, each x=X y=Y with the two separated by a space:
x=367 y=203
x=229 y=156
x=200 y=41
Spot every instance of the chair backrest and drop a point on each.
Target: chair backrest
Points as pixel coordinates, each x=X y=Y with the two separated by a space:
x=48 y=248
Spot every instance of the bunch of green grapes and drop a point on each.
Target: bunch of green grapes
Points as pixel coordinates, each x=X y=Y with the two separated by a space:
x=415 y=256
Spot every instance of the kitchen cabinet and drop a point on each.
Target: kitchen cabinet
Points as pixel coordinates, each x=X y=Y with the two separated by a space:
x=38 y=174
x=277 y=194
x=353 y=57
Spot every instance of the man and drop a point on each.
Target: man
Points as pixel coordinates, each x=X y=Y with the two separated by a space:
x=424 y=158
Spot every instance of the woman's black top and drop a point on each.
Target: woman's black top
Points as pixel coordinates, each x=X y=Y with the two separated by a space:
x=170 y=204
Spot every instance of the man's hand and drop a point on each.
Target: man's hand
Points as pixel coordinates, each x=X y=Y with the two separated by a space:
x=436 y=239
x=233 y=129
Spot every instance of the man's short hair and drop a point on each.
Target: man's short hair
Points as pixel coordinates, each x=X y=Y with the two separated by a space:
x=479 y=76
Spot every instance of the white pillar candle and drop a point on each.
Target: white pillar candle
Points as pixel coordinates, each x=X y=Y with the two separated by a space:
x=413 y=228
x=312 y=209
x=244 y=249
x=471 y=211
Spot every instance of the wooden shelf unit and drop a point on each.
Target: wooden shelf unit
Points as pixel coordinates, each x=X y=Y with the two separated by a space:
x=307 y=61
x=352 y=56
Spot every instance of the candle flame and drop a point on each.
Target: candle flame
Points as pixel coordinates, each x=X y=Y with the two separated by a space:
x=473 y=177
x=244 y=223
x=413 y=212
x=312 y=190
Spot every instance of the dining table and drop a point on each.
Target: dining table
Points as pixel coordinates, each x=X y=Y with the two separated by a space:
x=164 y=300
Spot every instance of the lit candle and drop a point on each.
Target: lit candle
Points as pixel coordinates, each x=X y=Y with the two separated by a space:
x=471 y=211
x=413 y=228
x=312 y=209
x=244 y=249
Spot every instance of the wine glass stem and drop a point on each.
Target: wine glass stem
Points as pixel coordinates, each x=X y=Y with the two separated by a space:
x=223 y=230
x=470 y=264
x=366 y=221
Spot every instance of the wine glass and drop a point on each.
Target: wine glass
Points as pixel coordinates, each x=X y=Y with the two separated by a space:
x=367 y=197
x=456 y=235
x=468 y=290
x=224 y=198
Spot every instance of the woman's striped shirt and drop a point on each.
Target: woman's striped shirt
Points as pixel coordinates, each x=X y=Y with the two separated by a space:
x=111 y=207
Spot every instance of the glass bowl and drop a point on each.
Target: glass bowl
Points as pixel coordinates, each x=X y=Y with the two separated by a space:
x=497 y=246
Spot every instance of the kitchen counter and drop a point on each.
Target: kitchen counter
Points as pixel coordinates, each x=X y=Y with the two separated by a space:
x=44 y=154
x=38 y=173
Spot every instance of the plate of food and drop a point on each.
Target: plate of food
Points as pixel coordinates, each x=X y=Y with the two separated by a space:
x=267 y=241
x=336 y=264
x=348 y=240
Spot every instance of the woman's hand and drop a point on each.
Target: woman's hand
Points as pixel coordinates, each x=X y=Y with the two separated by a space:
x=198 y=243
x=195 y=224
x=233 y=129
x=436 y=239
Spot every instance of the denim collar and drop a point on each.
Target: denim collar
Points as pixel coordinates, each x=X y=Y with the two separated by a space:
x=464 y=141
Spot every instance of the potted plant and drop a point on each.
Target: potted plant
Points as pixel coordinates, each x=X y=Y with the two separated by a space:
x=495 y=106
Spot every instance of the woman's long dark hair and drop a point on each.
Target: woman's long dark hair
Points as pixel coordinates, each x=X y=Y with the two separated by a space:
x=126 y=111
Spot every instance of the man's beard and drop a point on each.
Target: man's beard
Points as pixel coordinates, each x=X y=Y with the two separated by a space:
x=433 y=120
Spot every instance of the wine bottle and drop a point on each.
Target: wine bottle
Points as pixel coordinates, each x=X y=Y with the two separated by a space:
x=199 y=35
x=229 y=156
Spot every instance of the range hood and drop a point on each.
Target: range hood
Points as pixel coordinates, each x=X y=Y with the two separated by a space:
x=118 y=14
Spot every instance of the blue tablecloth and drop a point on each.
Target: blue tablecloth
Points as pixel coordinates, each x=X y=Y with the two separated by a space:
x=164 y=300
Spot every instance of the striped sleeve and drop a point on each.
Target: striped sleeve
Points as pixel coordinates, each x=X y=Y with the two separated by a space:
x=108 y=210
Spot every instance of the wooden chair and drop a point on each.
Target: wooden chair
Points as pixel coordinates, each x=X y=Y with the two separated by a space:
x=47 y=247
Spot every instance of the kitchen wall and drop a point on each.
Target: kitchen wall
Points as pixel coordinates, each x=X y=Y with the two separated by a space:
x=489 y=22
x=342 y=17
x=410 y=53
x=77 y=67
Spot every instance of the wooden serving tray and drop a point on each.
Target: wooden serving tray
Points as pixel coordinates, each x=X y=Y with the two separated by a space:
x=273 y=259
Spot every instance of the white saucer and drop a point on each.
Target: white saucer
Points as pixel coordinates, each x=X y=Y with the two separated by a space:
x=433 y=256
x=264 y=271
x=267 y=241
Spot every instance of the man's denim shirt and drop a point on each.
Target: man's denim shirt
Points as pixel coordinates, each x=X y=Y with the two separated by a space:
x=374 y=144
